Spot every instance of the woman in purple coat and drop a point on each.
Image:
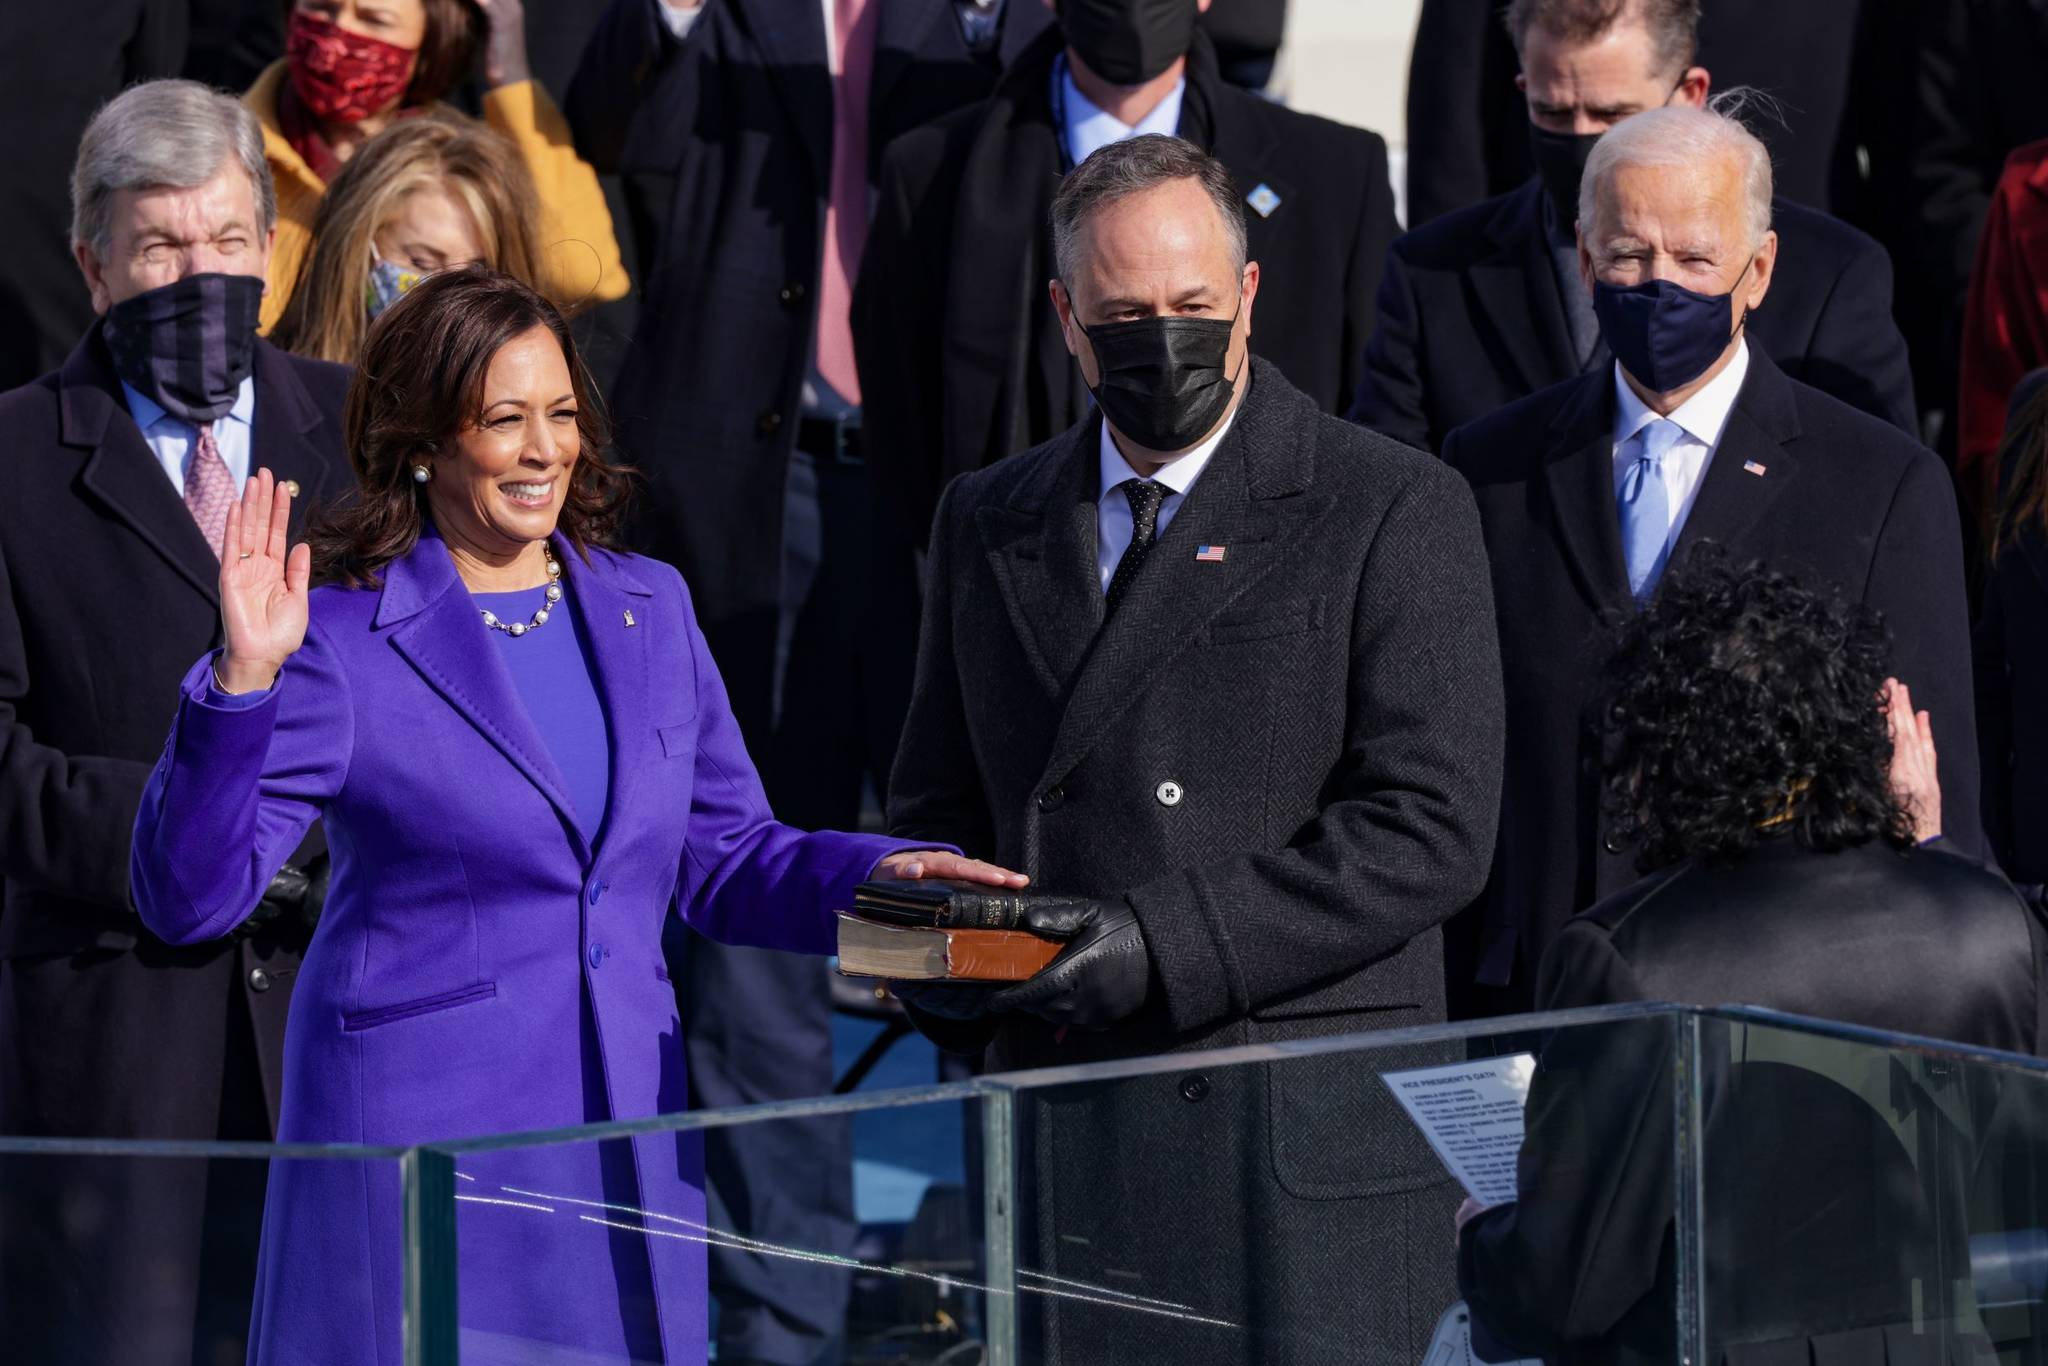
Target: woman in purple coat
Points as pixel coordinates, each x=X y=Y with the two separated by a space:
x=524 y=760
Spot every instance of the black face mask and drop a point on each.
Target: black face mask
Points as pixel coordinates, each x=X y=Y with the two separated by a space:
x=1128 y=42
x=188 y=346
x=1561 y=163
x=1162 y=381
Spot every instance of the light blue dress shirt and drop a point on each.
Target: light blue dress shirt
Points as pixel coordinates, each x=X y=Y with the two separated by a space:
x=172 y=438
x=1089 y=130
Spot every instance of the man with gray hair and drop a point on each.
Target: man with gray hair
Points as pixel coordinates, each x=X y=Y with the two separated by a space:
x=1217 y=669
x=1484 y=305
x=121 y=468
x=1590 y=491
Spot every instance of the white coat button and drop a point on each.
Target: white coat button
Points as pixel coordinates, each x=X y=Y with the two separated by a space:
x=1168 y=793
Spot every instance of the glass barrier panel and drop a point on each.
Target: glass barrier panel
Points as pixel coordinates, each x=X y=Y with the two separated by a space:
x=1280 y=1203
x=1866 y=1198
x=600 y=1246
x=124 y=1252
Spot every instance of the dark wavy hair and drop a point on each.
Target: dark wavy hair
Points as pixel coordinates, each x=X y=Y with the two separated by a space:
x=1740 y=705
x=420 y=384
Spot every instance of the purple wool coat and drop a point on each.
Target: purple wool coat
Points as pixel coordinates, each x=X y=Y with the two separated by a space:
x=479 y=967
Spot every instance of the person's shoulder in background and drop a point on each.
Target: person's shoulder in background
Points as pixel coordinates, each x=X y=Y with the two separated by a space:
x=1454 y=240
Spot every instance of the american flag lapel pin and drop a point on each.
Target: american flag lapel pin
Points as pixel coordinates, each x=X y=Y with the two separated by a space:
x=1751 y=467
x=629 y=616
x=1211 y=554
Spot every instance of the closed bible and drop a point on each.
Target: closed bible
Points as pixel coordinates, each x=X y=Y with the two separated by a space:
x=906 y=953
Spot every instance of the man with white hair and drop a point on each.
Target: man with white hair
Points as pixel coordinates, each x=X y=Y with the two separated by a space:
x=1591 y=490
x=1484 y=306
x=121 y=466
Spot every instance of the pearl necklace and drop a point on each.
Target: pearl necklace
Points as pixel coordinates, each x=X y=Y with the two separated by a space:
x=540 y=618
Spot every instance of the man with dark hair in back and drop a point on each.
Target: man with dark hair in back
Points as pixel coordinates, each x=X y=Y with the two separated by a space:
x=1484 y=305
x=1217 y=669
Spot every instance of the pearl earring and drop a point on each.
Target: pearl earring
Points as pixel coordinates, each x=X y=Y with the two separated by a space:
x=421 y=474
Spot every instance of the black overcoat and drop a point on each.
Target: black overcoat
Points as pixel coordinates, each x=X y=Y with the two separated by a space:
x=961 y=357
x=724 y=144
x=1287 y=761
x=107 y=594
x=1471 y=318
x=1800 y=481
x=1824 y=1238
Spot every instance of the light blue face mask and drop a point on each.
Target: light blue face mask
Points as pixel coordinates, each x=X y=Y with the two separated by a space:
x=388 y=284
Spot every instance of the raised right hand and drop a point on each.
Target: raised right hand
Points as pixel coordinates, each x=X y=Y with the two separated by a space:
x=262 y=587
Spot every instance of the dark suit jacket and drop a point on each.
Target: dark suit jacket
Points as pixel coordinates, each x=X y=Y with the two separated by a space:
x=1471 y=318
x=1821 y=1237
x=107 y=595
x=1468 y=127
x=724 y=142
x=1325 y=699
x=960 y=350
x=1842 y=501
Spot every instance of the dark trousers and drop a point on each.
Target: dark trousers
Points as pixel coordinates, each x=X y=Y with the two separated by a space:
x=128 y=1259
x=821 y=724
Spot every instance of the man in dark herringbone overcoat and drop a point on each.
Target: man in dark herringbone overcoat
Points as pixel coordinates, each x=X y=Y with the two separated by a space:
x=1221 y=669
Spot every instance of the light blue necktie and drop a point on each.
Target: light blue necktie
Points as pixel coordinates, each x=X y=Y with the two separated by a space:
x=1646 y=507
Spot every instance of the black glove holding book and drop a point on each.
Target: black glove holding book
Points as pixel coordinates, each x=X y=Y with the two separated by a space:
x=1100 y=974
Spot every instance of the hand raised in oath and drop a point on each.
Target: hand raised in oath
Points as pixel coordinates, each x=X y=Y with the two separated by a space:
x=263 y=586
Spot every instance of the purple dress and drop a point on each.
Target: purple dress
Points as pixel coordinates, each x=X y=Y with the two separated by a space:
x=489 y=958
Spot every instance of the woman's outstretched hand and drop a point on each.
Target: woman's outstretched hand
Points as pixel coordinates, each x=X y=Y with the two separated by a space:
x=262 y=587
x=937 y=863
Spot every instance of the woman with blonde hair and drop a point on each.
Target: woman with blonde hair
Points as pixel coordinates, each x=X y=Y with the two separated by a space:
x=433 y=193
x=353 y=68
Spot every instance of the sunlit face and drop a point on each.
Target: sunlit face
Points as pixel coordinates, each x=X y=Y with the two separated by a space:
x=158 y=237
x=402 y=23
x=501 y=483
x=1687 y=224
x=1161 y=253
x=1591 y=86
x=429 y=230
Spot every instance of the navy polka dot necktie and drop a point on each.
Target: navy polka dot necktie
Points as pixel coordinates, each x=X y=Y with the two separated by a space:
x=1144 y=497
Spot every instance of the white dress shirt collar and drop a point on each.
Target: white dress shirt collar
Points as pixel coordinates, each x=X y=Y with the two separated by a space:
x=1702 y=416
x=1179 y=476
x=1089 y=129
x=1113 y=528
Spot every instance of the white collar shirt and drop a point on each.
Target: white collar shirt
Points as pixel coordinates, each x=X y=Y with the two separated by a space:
x=1089 y=129
x=1701 y=420
x=1113 y=526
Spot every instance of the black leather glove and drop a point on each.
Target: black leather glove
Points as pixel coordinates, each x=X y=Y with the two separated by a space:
x=294 y=894
x=1102 y=976
x=946 y=999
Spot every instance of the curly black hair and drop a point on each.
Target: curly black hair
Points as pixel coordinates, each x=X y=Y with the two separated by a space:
x=1741 y=705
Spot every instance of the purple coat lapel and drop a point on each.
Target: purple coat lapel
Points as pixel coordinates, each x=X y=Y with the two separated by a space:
x=435 y=627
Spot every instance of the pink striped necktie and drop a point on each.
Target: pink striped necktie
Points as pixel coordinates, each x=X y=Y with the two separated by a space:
x=209 y=488
x=846 y=207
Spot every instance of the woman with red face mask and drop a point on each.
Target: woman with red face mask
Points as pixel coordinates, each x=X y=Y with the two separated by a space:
x=353 y=67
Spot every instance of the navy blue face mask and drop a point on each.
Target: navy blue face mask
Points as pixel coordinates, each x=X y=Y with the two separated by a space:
x=1663 y=333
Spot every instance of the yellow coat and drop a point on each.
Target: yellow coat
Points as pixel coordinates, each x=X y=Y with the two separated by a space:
x=583 y=256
